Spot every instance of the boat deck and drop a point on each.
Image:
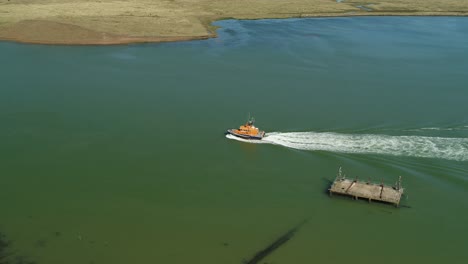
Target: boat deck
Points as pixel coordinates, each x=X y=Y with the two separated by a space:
x=259 y=135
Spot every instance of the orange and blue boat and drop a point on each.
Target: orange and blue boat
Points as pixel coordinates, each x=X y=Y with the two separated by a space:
x=247 y=131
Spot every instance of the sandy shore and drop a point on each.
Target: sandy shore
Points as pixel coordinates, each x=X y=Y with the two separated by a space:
x=106 y=22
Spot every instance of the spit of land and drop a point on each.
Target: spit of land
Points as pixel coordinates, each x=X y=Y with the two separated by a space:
x=131 y=21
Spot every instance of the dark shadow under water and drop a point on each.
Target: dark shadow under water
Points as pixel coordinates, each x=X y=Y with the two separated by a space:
x=8 y=255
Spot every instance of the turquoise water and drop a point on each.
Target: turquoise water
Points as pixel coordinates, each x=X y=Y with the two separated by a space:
x=118 y=154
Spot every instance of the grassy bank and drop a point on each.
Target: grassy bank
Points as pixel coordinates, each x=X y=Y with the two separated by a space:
x=114 y=22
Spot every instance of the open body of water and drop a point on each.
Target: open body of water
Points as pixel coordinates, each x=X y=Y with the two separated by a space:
x=118 y=155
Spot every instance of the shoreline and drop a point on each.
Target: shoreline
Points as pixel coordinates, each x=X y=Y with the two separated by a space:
x=95 y=38
x=115 y=42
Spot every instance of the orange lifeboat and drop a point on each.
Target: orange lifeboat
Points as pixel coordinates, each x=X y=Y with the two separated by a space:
x=247 y=131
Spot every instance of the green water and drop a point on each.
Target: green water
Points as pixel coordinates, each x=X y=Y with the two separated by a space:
x=118 y=154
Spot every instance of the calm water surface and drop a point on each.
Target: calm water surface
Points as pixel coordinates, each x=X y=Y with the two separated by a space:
x=117 y=154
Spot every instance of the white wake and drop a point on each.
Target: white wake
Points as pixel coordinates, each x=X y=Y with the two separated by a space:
x=413 y=146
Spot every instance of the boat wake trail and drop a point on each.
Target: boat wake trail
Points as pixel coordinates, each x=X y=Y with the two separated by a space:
x=413 y=146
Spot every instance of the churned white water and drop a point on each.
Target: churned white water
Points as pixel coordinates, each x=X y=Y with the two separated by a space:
x=413 y=146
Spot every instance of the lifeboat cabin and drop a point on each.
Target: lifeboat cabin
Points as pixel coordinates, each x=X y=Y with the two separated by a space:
x=247 y=131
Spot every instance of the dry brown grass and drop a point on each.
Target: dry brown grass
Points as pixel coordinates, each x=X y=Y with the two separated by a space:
x=119 y=21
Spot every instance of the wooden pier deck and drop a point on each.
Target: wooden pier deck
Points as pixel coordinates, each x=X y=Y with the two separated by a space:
x=367 y=190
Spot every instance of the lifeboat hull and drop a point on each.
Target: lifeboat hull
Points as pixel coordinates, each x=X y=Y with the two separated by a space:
x=258 y=136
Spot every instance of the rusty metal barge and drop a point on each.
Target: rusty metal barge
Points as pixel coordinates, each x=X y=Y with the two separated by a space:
x=367 y=190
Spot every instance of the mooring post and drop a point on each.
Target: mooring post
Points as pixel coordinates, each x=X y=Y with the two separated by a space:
x=399 y=183
x=340 y=175
x=381 y=190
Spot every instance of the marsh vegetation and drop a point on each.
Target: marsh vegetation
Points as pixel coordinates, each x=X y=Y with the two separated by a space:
x=113 y=22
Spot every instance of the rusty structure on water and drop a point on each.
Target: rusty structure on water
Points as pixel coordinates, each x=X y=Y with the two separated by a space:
x=367 y=190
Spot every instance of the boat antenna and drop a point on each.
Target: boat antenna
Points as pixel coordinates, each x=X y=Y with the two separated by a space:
x=251 y=120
